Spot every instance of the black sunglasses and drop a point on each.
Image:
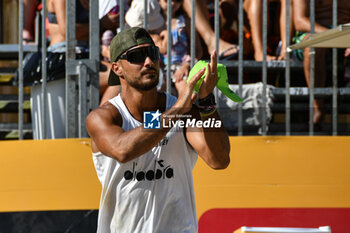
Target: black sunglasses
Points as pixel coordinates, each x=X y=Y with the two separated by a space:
x=139 y=55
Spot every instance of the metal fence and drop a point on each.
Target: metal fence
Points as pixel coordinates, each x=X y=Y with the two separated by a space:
x=84 y=73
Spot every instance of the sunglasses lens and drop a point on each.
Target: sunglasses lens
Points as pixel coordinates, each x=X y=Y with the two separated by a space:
x=140 y=54
x=136 y=56
x=153 y=53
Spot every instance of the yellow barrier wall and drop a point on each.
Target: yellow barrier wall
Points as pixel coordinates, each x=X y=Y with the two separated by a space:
x=264 y=172
x=278 y=172
x=47 y=175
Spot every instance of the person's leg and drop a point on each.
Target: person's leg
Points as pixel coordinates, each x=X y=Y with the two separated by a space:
x=283 y=27
x=320 y=79
x=28 y=20
x=253 y=8
x=228 y=13
x=204 y=29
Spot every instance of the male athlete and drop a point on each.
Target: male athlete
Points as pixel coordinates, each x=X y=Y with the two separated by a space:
x=146 y=174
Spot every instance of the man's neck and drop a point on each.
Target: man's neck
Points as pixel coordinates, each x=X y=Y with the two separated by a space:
x=139 y=101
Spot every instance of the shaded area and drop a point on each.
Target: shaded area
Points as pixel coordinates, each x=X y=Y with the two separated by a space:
x=84 y=221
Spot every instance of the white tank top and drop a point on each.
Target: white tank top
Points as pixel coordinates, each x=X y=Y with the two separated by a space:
x=152 y=193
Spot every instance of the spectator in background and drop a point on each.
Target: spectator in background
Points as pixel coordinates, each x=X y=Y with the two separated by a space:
x=57 y=29
x=253 y=8
x=323 y=22
x=226 y=50
x=283 y=27
x=57 y=24
x=109 y=14
x=253 y=27
x=135 y=16
x=180 y=48
x=56 y=51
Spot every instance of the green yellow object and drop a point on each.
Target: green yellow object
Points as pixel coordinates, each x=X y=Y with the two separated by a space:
x=221 y=84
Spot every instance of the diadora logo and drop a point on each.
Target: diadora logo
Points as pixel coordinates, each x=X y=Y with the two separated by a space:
x=159 y=171
x=151 y=120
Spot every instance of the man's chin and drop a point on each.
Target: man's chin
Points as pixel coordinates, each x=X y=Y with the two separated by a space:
x=147 y=86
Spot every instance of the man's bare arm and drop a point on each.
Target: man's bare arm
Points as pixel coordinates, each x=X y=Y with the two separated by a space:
x=211 y=144
x=104 y=126
x=113 y=141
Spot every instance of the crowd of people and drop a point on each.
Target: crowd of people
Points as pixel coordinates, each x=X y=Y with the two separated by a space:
x=205 y=40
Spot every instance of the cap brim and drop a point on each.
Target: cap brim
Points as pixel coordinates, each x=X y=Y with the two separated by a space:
x=113 y=79
x=223 y=86
x=230 y=94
